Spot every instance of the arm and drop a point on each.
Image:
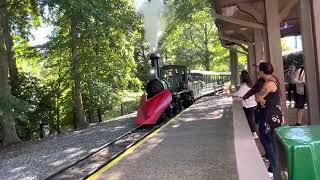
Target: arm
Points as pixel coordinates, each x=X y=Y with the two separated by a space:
x=250 y=93
x=238 y=95
x=255 y=89
x=267 y=87
x=239 y=92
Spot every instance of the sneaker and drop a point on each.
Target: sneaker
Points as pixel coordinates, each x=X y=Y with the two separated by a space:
x=298 y=124
x=270 y=174
x=255 y=135
x=264 y=158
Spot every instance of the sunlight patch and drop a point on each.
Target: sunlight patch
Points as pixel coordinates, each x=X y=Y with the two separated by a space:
x=176 y=125
x=18 y=169
x=71 y=150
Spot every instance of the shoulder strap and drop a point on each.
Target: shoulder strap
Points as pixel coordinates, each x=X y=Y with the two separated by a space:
x=301 y=71
x=277 y=85
x=274 y=81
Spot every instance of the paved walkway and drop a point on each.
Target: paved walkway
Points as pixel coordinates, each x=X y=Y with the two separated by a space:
x=198 y=144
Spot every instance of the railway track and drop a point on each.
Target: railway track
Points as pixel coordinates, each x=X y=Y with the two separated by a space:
x=95 y=160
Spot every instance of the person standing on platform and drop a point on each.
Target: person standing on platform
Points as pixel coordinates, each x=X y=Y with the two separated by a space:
x=301 y=99
x=291 y=85
x=259 y=113
x=250 y=104
x=270 y=98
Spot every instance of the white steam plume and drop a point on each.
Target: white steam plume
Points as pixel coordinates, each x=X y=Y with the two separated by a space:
x=152 y=12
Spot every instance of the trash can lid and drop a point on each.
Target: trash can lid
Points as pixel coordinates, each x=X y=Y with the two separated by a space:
x=295 y=135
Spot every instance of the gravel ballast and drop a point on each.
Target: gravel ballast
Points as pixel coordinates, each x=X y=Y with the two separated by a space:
x=39 y=159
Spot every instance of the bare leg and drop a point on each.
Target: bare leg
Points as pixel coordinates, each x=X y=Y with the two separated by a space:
x=300 y=114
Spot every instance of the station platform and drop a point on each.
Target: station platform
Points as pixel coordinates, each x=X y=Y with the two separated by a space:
x=209 y=140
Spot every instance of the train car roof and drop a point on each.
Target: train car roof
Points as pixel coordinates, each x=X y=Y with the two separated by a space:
x=172 y=65
x=209 y=72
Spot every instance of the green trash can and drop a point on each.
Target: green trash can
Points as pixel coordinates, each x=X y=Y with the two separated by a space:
x=298 y=153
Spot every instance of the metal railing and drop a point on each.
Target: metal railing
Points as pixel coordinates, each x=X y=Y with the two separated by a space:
x=200 y=88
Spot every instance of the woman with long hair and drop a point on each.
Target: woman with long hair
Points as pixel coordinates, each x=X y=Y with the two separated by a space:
x=270 y=98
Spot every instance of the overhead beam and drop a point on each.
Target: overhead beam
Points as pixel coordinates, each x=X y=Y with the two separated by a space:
x=248 y=36
x=227 y=3
x=286 y=10
x=254 y=9
x=243 y=47
x=238 y=21
x=234 y=49
x=234 y=40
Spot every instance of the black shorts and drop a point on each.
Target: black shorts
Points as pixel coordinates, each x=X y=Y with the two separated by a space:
x=300 y=101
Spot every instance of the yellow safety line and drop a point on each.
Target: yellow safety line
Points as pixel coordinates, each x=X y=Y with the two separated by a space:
x=129 y=151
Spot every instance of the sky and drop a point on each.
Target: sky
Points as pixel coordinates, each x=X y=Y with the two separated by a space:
x=295 y=45
x=40 y=35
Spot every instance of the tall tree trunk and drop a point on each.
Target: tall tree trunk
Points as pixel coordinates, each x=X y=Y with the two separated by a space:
x=207 y=52
x=99 y=115
x=58 y=115
x=90 y=111
x=75 y=64
x=207 y=60
x=13 y=70
x=7 y=123
x=58 y=105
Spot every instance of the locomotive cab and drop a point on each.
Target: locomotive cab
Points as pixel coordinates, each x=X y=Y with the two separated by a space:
x=177 y=77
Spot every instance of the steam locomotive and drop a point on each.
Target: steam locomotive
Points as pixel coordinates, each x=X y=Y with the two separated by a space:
x=167 y=94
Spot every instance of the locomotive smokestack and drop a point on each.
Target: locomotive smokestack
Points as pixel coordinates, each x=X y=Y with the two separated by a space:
x=154 y=57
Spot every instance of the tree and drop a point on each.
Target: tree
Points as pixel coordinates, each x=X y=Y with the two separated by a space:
x=195 y=44
x=100 y=46
x=286 y=45
x=7 y=123
x=16 y=16
x=75 y=64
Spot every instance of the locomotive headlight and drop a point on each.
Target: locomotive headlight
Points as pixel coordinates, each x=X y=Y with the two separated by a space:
x=152 y=71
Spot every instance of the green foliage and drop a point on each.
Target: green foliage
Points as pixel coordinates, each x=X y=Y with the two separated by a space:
x=112 y=54
x=10 y=106
x=285 y=45
x=129 y=104
x=109 y=36
x=295 y=59
x=23 y=16
x=106 y=35
x=193 y=40
x=242 y=61
x=40 y=109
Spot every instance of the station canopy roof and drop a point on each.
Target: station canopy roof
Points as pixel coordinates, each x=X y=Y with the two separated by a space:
x=237 y=19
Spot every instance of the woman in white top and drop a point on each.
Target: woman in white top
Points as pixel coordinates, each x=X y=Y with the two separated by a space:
x=250 y=104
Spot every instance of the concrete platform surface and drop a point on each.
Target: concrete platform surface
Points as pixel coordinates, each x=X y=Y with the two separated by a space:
x=197 y=144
